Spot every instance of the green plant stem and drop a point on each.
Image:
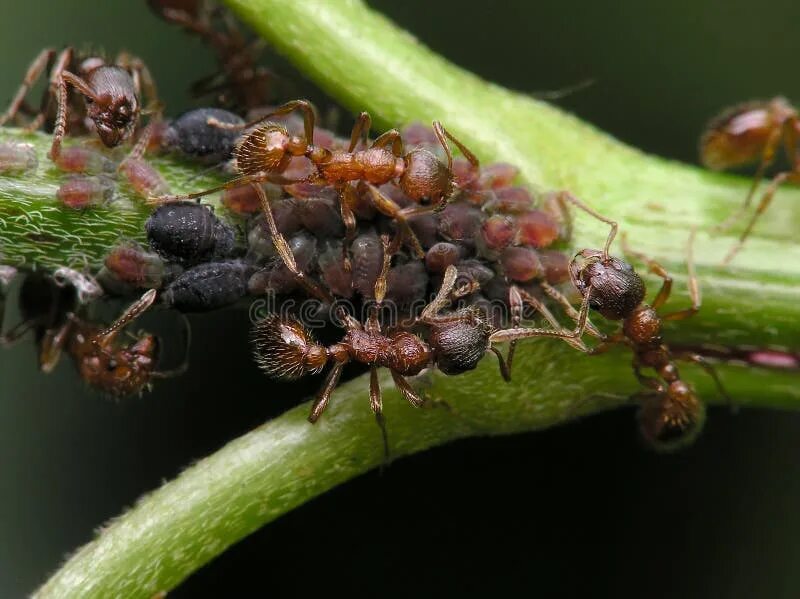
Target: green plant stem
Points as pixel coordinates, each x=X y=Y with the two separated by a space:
x=365 y=62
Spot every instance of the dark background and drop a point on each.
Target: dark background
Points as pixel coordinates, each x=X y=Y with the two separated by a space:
x=582 y=508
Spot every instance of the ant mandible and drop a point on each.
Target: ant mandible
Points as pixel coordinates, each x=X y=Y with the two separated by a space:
x=111 y=94
x=748 y=133
x=263 y=153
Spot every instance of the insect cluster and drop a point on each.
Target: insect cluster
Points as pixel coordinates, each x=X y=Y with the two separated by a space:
x=423 y=257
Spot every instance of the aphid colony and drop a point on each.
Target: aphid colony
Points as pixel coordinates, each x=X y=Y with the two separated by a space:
x=396 y=222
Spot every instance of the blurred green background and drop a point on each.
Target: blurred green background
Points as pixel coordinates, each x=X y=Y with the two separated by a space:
x=583 y=508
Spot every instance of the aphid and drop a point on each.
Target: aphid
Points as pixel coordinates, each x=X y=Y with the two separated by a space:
x=241 y=82
x=264 y=154
x=87 y=289
x=130 y=266
x=111 y=94
x=7 y=275
x=17 y=158
x=276 y=278
x=208 y=286
x=80 y=192
x=751 y=133
x=192 y=136
x=442 y=255
x=140 y=175
x=189 y=233
x=77 y=159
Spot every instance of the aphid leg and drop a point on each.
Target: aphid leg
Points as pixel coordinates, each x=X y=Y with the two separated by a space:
x=777 y=181
x=184 y=364
x=282 y=247
x=570 y=311
x=321 y=402
x=565 y=196
x=388 y=207
x=133 y=311
x=35 y=70
x=391 y=137
x=360 y=131
x=376 y=404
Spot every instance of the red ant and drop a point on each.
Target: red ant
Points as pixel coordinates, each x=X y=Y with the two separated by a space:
x=239 y=73
x=107 y=365
x=111 y=94
x=265 y=152
x=748 y=133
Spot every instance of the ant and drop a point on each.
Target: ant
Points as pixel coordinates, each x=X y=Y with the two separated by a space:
x=238 y=72
x=117 y=369
x=111 y=93
x=670 y=412
x=453 y=342
x=748 y=133
x=264 y=153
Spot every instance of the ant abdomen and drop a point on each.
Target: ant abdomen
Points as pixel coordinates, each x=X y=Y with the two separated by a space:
x=666 y=423
x=458 y=346
x=263 y=149
x=284 y=349
x=616 y=288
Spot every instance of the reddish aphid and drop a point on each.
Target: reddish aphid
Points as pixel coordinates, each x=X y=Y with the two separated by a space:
x=133 y=266
x=77 y=159
x=751 y=133
x=111 y=94
x=80 y=192
x=140 y=175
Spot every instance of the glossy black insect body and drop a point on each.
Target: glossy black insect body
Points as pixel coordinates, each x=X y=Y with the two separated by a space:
x=191 y=135
x=189 y=233
x=208 y=286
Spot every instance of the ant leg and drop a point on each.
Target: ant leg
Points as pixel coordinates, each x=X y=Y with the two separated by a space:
x=441 y=133
x=392 y=136
x=388 y=207
x=442 y=296
x=607 y=343
x=647 y=381
x=567 y=306
x=302 y=105
x=376 y=404
x=527 y=333
x=62 y=80
x=53 y=344
x=767 y=158
x=282 y=247
x=143 y=81
x=538 y=306
x=515 y=306
x=712 y=372
x=565 y=196
x=361 y=128
x=406 y=390
x=35 y=69
x=129 y=315
x=321 y=402
x=237 y=182
x=780 y=179
x=16 y=333
x=184 y=364
x=347 y=200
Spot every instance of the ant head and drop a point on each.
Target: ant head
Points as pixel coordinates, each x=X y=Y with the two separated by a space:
x=738 y=136
x=263 y=149
x=114 y=116
x=284 y=349
x=616 y=288
x=120 y=371
x=424 y=176
x=459 y=345
x=671 y=419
